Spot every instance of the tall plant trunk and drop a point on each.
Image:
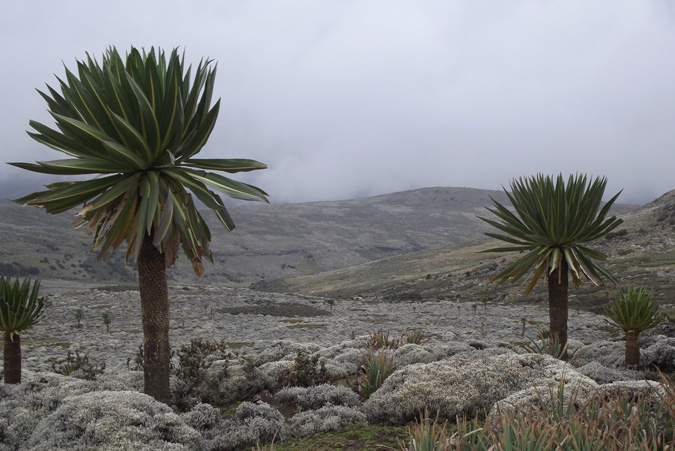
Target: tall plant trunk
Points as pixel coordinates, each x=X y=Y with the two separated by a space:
x=12 y=363
x=557 y=305
x=155 y=311
x=632 y=358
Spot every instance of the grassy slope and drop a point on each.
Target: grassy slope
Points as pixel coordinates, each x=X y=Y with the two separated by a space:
x=642 y=255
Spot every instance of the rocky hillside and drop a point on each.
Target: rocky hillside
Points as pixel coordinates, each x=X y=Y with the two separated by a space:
x=270 y=241
x=411 y=245
x=640 y=252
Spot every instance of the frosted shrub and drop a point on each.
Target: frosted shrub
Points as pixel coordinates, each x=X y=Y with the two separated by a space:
x=349 y=360
x=274 y=373
x=306 y=371
x=608 y=353
x=452 y=348
x=265 y=352
x=325 y=419
x=113 y=420
x=306 y=398
x=604 y=375
x=227 y=381
x=412 y=353
x=203 y=418
x=250 y=425
x=660 y=353
x=465 y=384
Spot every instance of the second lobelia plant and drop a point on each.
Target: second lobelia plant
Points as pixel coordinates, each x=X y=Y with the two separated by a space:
x=551 y=226
x=20 y=309
x=634 y=312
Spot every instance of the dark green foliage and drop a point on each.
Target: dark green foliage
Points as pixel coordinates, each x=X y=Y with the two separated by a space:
x=106 y=320
x=414 y=336
x=306 y=371
x=552 y=223
x=381 y=339
x=377 y=366
x=16 y=270
x=617 y=234
x=79 y=366
x=193 y=360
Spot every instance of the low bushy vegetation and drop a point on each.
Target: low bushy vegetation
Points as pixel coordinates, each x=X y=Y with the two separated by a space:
x=636 y=421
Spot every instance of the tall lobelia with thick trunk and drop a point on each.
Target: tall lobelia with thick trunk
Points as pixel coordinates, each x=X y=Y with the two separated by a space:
x=551 y=223
x=137 y=124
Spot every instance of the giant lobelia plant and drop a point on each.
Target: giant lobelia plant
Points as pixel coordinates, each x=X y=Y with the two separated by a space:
x=20 y=309
x=552 y=222
x=635 y=312
x=137 y=123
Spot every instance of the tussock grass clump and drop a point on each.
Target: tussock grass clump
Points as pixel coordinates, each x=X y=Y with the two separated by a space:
x=637 y=421
x=376 y=368
x=414 y=336
x=546 y=345
x=382 y=340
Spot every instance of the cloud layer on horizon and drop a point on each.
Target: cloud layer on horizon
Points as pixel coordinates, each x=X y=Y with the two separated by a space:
x=348 y=99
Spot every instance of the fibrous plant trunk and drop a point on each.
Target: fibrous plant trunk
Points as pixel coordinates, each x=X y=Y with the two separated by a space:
x=12 y=358
x=155 y=314
x=558 y=305
x=632 y=358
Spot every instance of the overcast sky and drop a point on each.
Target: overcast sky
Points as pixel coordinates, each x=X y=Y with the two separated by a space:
x=347 y=99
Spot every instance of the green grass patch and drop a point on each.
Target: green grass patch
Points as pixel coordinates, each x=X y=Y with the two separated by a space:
x=353 y=436
x=238 y=344
x=275 y=310
x=49 y=342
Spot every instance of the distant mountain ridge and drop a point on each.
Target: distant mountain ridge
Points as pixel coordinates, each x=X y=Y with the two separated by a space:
x=271 y=242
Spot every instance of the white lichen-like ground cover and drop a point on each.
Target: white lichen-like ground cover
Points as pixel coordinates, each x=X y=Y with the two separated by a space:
x=469 y=365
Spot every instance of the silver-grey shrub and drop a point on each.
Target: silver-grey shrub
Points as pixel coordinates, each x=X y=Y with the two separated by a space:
x=468 y=383
x=251 y=424
x=204 y=418
x=307 y=398
x=659 y=352
x=325 y=419
x=264 y=352
x=113 y=420
x=412 y=353
x=604 y=375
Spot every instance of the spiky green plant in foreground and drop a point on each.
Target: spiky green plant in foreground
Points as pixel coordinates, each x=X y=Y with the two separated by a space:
x=377 y=366
x=552 y=223
x=634 y=312
x=137 y=124
x=20 y=309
